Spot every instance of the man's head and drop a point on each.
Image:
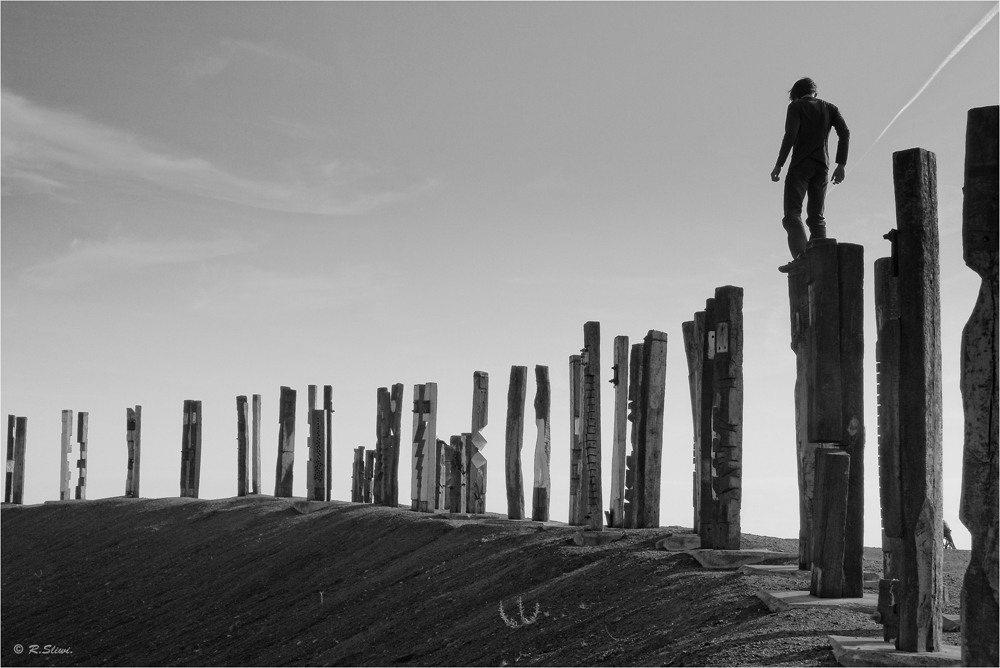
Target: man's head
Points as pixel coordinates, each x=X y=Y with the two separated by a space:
x=802 y=88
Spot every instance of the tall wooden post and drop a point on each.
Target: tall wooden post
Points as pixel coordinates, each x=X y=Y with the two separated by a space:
x=650 y=451
x=516 y=397
x=456 y=474
x=191 y=449
x=328 y=459
x=727 y=446
x=476 y=500
x=423 y=488
x=616 y=512
x=978 y=510
x=920 y=429
x=8 y=488
x=316 y=485
x=387 y=440
x=694 y=343
x=358 y=475
x=286 y=443
x=383 y=411
x=542 y=484
x=633 y=483
x=441 y=475
x=590 y=364
x=82 y=427
x=67 y=447
x=242 y=445
x=369 y=475
x=311 y=462
x=829 y=518
x=805 y=458
x=20 y=445
x=255 y=442
x=709 y=500
x=576 y=510
x=133 y=445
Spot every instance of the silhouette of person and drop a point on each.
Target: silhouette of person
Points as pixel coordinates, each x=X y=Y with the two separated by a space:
x=807 y=131
x=948 y=542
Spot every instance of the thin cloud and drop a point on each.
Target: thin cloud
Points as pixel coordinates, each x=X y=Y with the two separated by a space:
x=229 y=51
x=44 y=150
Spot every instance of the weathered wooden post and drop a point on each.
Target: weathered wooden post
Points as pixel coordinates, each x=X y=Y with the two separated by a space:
x=616 y=511
x=9 y=481
x=456 y=474
x=316 y=485
x=542 y=485
x=388 y=420
x=133 y=445
x=920 y=429
x=310 y=444
x=441 y=475
x=423 y=487
x=650 y=450
x=829 y=520
x=805 y=457
x=82 y=427
x=286 y=443
x=694 y=344
x=369 y=475
x=576 y=509
x=328 y=461
x=66 y=448
x=978 y=510
x=516 y=397
x=191 y=449
x=633 y=483
x=20 y=445
x=242 y=445
x=476 y=500
x=358 y=475
x=255 y=432
x=590 y=364
x=727 y=421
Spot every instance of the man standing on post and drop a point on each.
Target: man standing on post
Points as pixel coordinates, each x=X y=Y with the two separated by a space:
x=807 y=131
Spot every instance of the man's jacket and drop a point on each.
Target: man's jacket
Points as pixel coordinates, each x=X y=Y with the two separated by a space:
x=807 y=132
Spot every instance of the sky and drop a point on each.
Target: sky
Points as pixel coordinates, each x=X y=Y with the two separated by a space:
x=205 y=200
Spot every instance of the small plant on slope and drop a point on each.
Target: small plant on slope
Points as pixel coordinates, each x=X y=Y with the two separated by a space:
x=513 y=623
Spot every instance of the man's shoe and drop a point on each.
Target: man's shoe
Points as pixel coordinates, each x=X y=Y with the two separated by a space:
x=794 y=264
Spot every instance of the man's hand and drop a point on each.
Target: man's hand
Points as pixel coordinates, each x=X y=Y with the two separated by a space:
x=838 y=175
x=775 y=173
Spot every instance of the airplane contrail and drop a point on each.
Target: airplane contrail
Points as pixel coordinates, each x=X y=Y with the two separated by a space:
x=972 y=33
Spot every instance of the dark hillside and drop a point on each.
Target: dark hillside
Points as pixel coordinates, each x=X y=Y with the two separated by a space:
x=250 y=581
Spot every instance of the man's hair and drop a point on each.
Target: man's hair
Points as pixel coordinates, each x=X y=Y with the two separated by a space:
x=801 y=88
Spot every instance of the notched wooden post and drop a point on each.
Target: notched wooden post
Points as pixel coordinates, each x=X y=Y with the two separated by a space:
x=694 y=335
x=66 y=448
x=82 y=427
x=9 y=481
x=575 y=444
x=542 y=483
x=423 y=488
x=328 y=459
x=316 y=484
x=20 y=445
x=653 y=388
x=633 y=483
x=476 y=501
x=133 y=445
x=616 y=512
x=286 y=443
x=590 y=364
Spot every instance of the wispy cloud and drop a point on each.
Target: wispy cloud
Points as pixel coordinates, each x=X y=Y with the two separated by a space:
x=228 y=51
x=48 y=151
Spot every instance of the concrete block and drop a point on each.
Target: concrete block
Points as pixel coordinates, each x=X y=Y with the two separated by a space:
x=877 y=652
x=679 y=542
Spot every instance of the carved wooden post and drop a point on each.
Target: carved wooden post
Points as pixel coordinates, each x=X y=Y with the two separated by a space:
x=915 y=179
x=727 y=446
x=387 y=425
x=456 y=474
x=441 y=475
x=516 y=397
x=310 y=444
x=383 y=411
x=709 y=502
x=67 y=447
x=829 y=520
x=805 y=457
x=476 y=500
x=423 y=487
x=694 y=343
x=358 y=475
x=191 y=449
x=369 y=475
x=255 y=459
x=286 y=443
x=542 y=484
x=650 y=451
x=20 y=445
x=328 y=459
x=242 y=445
x=82 y=426
x=133 y=445
x=616 y=512
x=633 y=484
x=8 y=488
x=979 y=511
x=590 y=363
x=316 y=485
x=575 y=444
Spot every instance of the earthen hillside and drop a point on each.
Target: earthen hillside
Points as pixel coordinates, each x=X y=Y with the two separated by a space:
x=250 y=581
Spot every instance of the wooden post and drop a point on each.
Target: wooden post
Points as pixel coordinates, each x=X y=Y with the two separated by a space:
x=616 y=512
x=829 y=520
x=196 y=425
x=383 y=412
x=286 y=443
x=8 y=488
x=476 y=500
x=369 y=475
x=456 y=474
x=727 y=446
x=387 y=434
x=310 y=444
x=423 y=488
x=915 y=180
x=440 y=489
x=358 y=475
x=316 y=485
x=516 y=397
x=709 y=502
x=67 y=447
x=255 y=433
x=650 y=451
x=823 y=381
x=633 y=483
x=590 y=364
x=978 y=511
x=133 y=445
x=20 y=445
x=576 y=443
x=82 y=427
x=242 y=445
x=328 y=459
x=805 y=457
x=694 y=343
x=542 y=484
x=191 y=449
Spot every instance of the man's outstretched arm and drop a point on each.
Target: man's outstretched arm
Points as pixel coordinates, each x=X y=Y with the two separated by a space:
x=843 y=145
x=791 y=132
